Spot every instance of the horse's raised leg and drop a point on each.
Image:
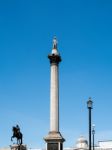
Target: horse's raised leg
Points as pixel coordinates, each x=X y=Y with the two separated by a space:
x=11 y=138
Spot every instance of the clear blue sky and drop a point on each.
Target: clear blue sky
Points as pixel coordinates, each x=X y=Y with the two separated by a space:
x=84 y=32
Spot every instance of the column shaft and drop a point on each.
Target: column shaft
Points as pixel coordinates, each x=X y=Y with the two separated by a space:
x=54 y=99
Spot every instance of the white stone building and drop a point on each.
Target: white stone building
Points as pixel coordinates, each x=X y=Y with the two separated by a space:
x=82 y=144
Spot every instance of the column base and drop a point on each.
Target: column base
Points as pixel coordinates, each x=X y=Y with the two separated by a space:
x=54 y=141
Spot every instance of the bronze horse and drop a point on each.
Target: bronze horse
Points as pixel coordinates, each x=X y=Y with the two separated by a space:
x=17 y=134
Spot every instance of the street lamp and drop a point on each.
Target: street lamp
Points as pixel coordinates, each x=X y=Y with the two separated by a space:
x=93 y=133
x=89 y=105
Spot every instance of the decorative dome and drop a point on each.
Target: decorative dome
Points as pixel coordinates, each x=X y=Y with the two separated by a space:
x=82 y=143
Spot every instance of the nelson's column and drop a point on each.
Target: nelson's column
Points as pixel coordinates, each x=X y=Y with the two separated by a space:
x=54 y=140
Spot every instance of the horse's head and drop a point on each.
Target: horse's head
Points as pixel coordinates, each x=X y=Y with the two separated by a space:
x=13 y=128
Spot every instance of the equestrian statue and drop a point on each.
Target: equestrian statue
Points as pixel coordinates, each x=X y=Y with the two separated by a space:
x=17 y=134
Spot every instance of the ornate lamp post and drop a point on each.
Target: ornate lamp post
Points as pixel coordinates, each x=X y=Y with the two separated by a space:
x=93 y=133
x=89 y=105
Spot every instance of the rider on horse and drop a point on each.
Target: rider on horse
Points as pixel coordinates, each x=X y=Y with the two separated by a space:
x=17 y=134
x=18 y=128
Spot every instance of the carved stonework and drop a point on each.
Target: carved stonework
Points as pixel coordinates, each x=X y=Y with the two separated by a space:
x=52 y=146
x=54 y=58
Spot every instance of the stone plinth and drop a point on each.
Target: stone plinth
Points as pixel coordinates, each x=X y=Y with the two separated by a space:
x=18 y=147
x=54 y=141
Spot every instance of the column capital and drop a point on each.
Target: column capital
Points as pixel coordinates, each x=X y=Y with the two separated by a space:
x=54 y=59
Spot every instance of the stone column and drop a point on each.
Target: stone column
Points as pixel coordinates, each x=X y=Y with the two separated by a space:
x=54 y=99
x=54 y=139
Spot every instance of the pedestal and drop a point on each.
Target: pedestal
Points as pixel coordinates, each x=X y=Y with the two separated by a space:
x=18 y=147
x=54 y=141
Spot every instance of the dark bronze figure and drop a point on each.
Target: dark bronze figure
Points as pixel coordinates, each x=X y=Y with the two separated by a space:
x=17 y=134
